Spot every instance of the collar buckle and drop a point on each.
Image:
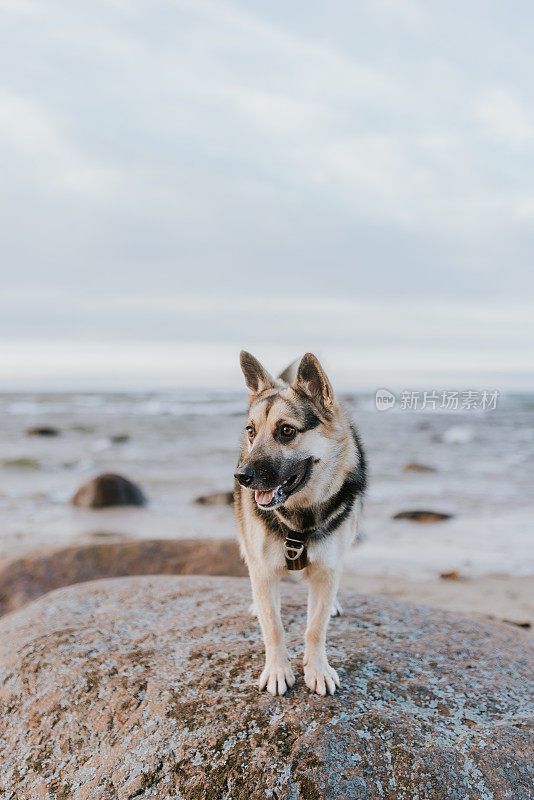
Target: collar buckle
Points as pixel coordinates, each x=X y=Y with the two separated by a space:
x=295 y=553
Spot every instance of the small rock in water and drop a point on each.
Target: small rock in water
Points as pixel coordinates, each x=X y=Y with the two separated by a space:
x=413 y=466
x=43 y=431
x=526 y=625
x=422 y=516
x=216 y=499
x=451 y=575
x=21 y=463
x=119 y=438
x=108 y=490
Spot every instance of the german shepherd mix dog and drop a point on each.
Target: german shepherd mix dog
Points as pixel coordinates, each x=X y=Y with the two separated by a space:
x=299 y=487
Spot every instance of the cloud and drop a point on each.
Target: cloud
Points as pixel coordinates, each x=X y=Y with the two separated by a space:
x=506 y=116
x=19 y=7
x=412 y=15
x=205 y=146
x=33 y=144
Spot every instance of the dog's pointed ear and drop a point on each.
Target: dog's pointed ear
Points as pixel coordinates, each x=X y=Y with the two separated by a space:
x=289 y=374
x=312 y=380
x=256 y=377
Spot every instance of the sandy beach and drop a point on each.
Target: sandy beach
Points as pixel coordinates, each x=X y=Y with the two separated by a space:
x=495 y=596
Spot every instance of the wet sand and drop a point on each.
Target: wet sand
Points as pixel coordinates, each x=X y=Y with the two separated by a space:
x=498 y=597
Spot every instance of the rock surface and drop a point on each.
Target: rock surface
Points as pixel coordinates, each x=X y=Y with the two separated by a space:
x=413 y=466
x=144 y=688
x=451 y=575
x=423 y=516
x=216 y=499
x=119 y=438
x=42 y=431
x=108 y=490
x=21 y=463
x=24 y=579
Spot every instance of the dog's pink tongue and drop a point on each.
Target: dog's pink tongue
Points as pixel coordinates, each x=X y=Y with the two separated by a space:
x=263 y=498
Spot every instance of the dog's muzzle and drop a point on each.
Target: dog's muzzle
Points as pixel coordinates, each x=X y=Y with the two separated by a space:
x=269 y=490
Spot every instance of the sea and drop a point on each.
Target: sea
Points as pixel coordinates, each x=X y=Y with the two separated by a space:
x=179 y=445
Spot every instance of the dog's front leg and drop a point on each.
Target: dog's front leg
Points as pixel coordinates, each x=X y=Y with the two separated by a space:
x=320 y=677
x=277 y=675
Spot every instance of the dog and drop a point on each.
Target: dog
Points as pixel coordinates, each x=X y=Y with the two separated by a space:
x=299 y=486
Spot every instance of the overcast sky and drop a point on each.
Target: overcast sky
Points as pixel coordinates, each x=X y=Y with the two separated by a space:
x=350 y=177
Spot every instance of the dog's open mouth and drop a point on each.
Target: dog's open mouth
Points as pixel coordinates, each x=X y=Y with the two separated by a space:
x=278 y=495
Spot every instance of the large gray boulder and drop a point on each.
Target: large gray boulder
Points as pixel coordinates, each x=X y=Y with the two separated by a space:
x=144 y=688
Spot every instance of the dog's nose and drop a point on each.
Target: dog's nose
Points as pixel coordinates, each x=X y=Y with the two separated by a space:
x=245 y=475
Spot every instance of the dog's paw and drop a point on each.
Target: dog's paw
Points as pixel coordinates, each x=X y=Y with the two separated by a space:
x=337 y=609
x=320 y=677
x=277 y=678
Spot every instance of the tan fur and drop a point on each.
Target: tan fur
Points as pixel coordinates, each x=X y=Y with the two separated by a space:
x=333 y=444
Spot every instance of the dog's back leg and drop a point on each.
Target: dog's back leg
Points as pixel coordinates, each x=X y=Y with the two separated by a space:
x=337 y=608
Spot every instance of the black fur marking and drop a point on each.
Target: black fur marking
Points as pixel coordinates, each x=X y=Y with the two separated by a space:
x=303 y=519
x=311 y=420
x=269 y=402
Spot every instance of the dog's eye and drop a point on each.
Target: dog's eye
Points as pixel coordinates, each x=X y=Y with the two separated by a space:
x=250 y=432
x=287 y=431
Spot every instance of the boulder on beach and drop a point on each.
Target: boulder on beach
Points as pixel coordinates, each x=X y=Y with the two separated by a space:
x=451 y=575
x=145 y=688
x=40 y=430
x=423 y=516
x=24 y=579
x=216 y=499
x=413 y=466
x=108 y=490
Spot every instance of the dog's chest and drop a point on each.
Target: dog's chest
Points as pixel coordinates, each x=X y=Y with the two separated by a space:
x=270 y=550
